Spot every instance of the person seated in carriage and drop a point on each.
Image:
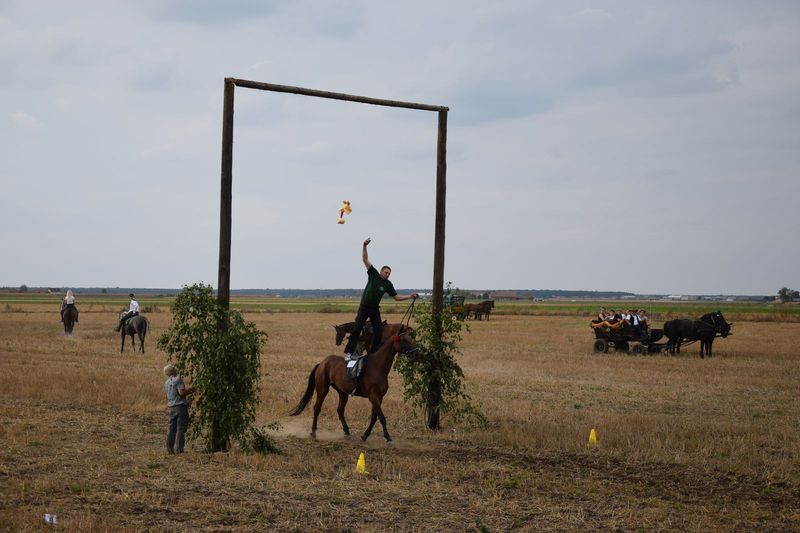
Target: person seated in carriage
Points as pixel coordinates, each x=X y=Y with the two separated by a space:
x=602 y=315
x=68 y=301
x=133 y=310
x=644 y=321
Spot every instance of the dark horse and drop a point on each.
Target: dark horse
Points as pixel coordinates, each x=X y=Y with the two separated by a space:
x=69 y=318
x=484 y=308
x=367 y=332
x=704 y=330
x=373 y=383
x=135 y=325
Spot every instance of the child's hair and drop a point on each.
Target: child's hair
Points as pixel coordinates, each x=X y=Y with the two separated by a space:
x=170 y=370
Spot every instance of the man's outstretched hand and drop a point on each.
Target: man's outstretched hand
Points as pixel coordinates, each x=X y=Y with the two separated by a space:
x=366 y=242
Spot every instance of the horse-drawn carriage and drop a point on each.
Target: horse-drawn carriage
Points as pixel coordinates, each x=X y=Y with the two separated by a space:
x=640 y=340
x=456 y=306
x=624 y=338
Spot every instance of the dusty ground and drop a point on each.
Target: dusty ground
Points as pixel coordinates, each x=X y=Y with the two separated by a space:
x=684 y=444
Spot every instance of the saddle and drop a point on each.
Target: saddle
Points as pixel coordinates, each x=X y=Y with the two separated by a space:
x=354 y=370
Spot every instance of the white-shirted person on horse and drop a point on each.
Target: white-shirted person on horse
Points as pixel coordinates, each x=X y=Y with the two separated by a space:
x=68 y=301
x=133 y=310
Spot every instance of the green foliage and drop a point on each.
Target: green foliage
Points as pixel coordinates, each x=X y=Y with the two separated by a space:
x=222 y=363
x=788 y=295
x=436 y=367
x=259 y=441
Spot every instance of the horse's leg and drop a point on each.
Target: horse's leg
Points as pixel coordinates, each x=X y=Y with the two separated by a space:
x=322 y=391
x=141 y=341
x=122 y=348
x=340 y=411
x=133 y=341
x=378 y=412
x=372 y=419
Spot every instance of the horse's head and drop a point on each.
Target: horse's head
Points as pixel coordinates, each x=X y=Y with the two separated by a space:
x=719 y=322
x=722 y=325
x=404 y=344
x=406 y=329
x=341 y=331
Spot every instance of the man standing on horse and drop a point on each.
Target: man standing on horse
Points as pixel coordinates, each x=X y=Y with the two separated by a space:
x=378 y=284
x=133 y=310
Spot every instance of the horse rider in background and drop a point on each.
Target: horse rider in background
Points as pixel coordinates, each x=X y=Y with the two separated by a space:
x=133 y=310
x=68 y=301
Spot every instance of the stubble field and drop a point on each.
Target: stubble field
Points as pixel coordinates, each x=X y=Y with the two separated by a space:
x=683 y=443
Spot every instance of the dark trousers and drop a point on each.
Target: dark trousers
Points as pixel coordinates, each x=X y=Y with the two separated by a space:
x=374 y=315
x=177 y=423
x=125 y=317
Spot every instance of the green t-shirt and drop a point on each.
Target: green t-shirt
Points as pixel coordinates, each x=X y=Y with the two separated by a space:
x=376 y=288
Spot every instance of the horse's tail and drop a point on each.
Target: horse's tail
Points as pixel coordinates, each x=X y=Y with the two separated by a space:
x=146 y=324
x=307 y=396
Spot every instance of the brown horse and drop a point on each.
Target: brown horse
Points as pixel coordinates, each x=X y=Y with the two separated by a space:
x=373 y=383
x=366 y=333
x=484 y=308
x=470 y=310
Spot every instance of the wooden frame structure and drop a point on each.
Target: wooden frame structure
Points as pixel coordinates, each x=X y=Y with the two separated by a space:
x=226 y=182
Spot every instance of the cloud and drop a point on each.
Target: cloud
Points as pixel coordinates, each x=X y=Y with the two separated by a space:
x=24 y=120
x=213 y=12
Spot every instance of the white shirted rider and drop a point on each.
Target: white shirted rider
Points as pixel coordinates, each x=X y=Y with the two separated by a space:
x=133 y=310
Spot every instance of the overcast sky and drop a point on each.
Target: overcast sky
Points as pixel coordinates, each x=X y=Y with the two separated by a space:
x=651 y=147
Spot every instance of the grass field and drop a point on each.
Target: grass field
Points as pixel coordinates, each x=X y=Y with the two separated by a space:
x=658 y=309
x=683 y=443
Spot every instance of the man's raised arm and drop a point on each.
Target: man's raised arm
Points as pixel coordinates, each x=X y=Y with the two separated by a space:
x=364 y=255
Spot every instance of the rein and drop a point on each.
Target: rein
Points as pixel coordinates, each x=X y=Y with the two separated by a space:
x=713 y=323
x=409 y=313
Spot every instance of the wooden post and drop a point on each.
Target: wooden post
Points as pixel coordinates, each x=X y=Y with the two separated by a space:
x=226 y=191
x=441 y=190
x=435 y=388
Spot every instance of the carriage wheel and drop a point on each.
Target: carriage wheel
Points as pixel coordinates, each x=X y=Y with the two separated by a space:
x=600 y=346
x=638 y=349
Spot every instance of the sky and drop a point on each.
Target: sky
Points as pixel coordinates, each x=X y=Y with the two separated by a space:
x=650 y=147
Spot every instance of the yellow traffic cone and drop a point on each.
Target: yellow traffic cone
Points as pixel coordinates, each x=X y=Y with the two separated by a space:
x=361 y=465
x=592 y=438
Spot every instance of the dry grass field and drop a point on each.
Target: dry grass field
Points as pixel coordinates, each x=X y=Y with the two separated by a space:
x=683 y=443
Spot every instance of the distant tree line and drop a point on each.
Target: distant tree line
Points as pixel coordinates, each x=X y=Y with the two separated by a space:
x=788 y=295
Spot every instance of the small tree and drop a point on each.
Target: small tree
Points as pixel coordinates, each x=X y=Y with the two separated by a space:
x=220 y=353
x=434 y=373
x=788 y=295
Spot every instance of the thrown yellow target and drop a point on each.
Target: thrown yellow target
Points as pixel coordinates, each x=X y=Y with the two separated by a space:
x=344 y=210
